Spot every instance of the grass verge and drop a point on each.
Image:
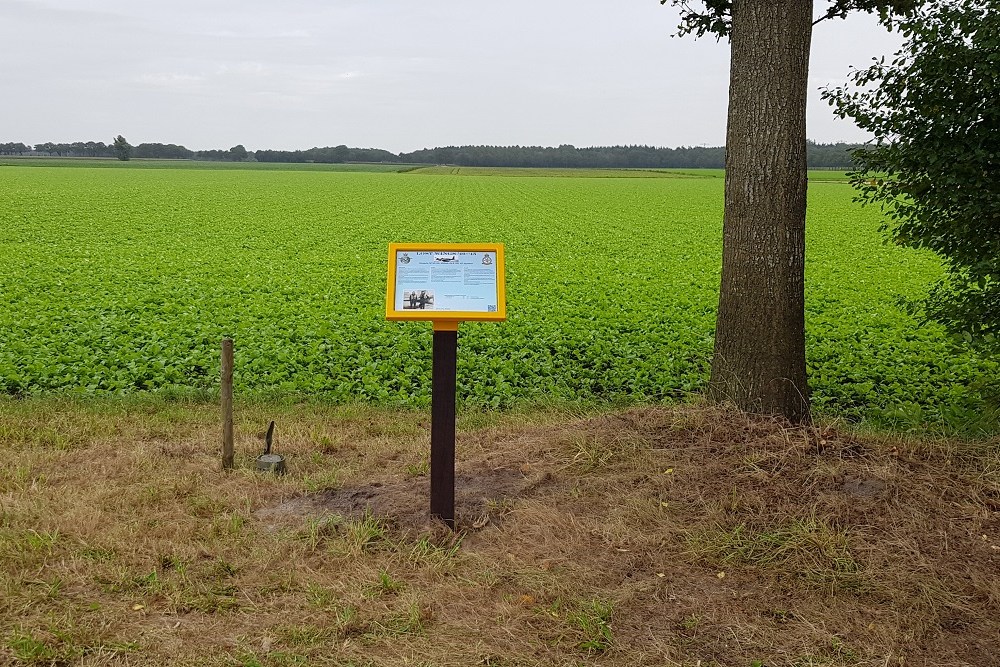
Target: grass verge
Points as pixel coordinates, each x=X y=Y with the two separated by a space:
x=644 y=536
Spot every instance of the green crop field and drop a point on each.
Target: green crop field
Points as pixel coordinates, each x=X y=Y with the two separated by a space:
x=124 y=280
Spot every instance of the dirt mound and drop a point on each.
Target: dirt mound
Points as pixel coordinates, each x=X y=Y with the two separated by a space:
x=740 y=537
x=729 y=538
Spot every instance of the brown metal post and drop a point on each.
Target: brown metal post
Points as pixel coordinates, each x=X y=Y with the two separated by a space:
x=443 y=426
x=227 y=403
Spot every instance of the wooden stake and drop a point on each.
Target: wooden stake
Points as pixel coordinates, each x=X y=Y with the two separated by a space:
x=227 y=403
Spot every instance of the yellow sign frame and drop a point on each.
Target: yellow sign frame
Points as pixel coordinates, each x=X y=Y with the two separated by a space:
x=446 y=320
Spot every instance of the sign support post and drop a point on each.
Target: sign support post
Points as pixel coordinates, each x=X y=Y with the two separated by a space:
x=446 y=284
x=443 y=424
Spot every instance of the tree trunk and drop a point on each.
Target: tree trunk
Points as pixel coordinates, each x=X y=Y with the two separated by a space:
x=759 y=362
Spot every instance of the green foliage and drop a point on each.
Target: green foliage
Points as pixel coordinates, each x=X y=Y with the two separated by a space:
x=122 y=148
x=124 y=280
x=934 y=110
x=29 y=650
x=365 y=534
x=593 y=621
x=714 y=17
x=386 y=585
x=818 y=551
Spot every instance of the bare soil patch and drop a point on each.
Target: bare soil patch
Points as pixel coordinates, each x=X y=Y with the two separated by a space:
x=480 y=498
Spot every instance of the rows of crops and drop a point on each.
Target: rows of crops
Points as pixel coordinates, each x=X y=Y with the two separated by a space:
x=118 y=280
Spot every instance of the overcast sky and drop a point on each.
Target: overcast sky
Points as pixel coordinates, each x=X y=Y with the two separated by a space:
x=393 y=74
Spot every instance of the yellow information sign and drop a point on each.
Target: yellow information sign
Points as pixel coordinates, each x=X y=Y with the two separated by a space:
x=446 y=283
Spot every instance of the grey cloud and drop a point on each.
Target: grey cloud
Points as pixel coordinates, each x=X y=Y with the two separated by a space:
x=397 y=74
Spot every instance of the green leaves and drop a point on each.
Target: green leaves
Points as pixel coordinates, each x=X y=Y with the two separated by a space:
x=932 y=167
x=714 y=17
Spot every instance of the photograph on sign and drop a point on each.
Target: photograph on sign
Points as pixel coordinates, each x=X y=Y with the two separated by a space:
x=446 y=281
x=424 y=300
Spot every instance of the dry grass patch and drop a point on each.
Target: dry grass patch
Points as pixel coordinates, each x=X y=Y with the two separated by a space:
x=654 y=536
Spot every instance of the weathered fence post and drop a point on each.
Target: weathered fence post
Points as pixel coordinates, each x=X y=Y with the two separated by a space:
x=227 y=403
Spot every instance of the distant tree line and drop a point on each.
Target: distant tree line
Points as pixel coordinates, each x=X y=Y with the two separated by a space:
x=12 y=148
x=568 y=156
x=149 y=150
x=820 y=156
x=334 y=154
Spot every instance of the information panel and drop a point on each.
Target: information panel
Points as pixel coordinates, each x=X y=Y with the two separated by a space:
x=454 y=282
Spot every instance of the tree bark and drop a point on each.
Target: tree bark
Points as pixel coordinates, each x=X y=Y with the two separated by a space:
x=759 y=361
